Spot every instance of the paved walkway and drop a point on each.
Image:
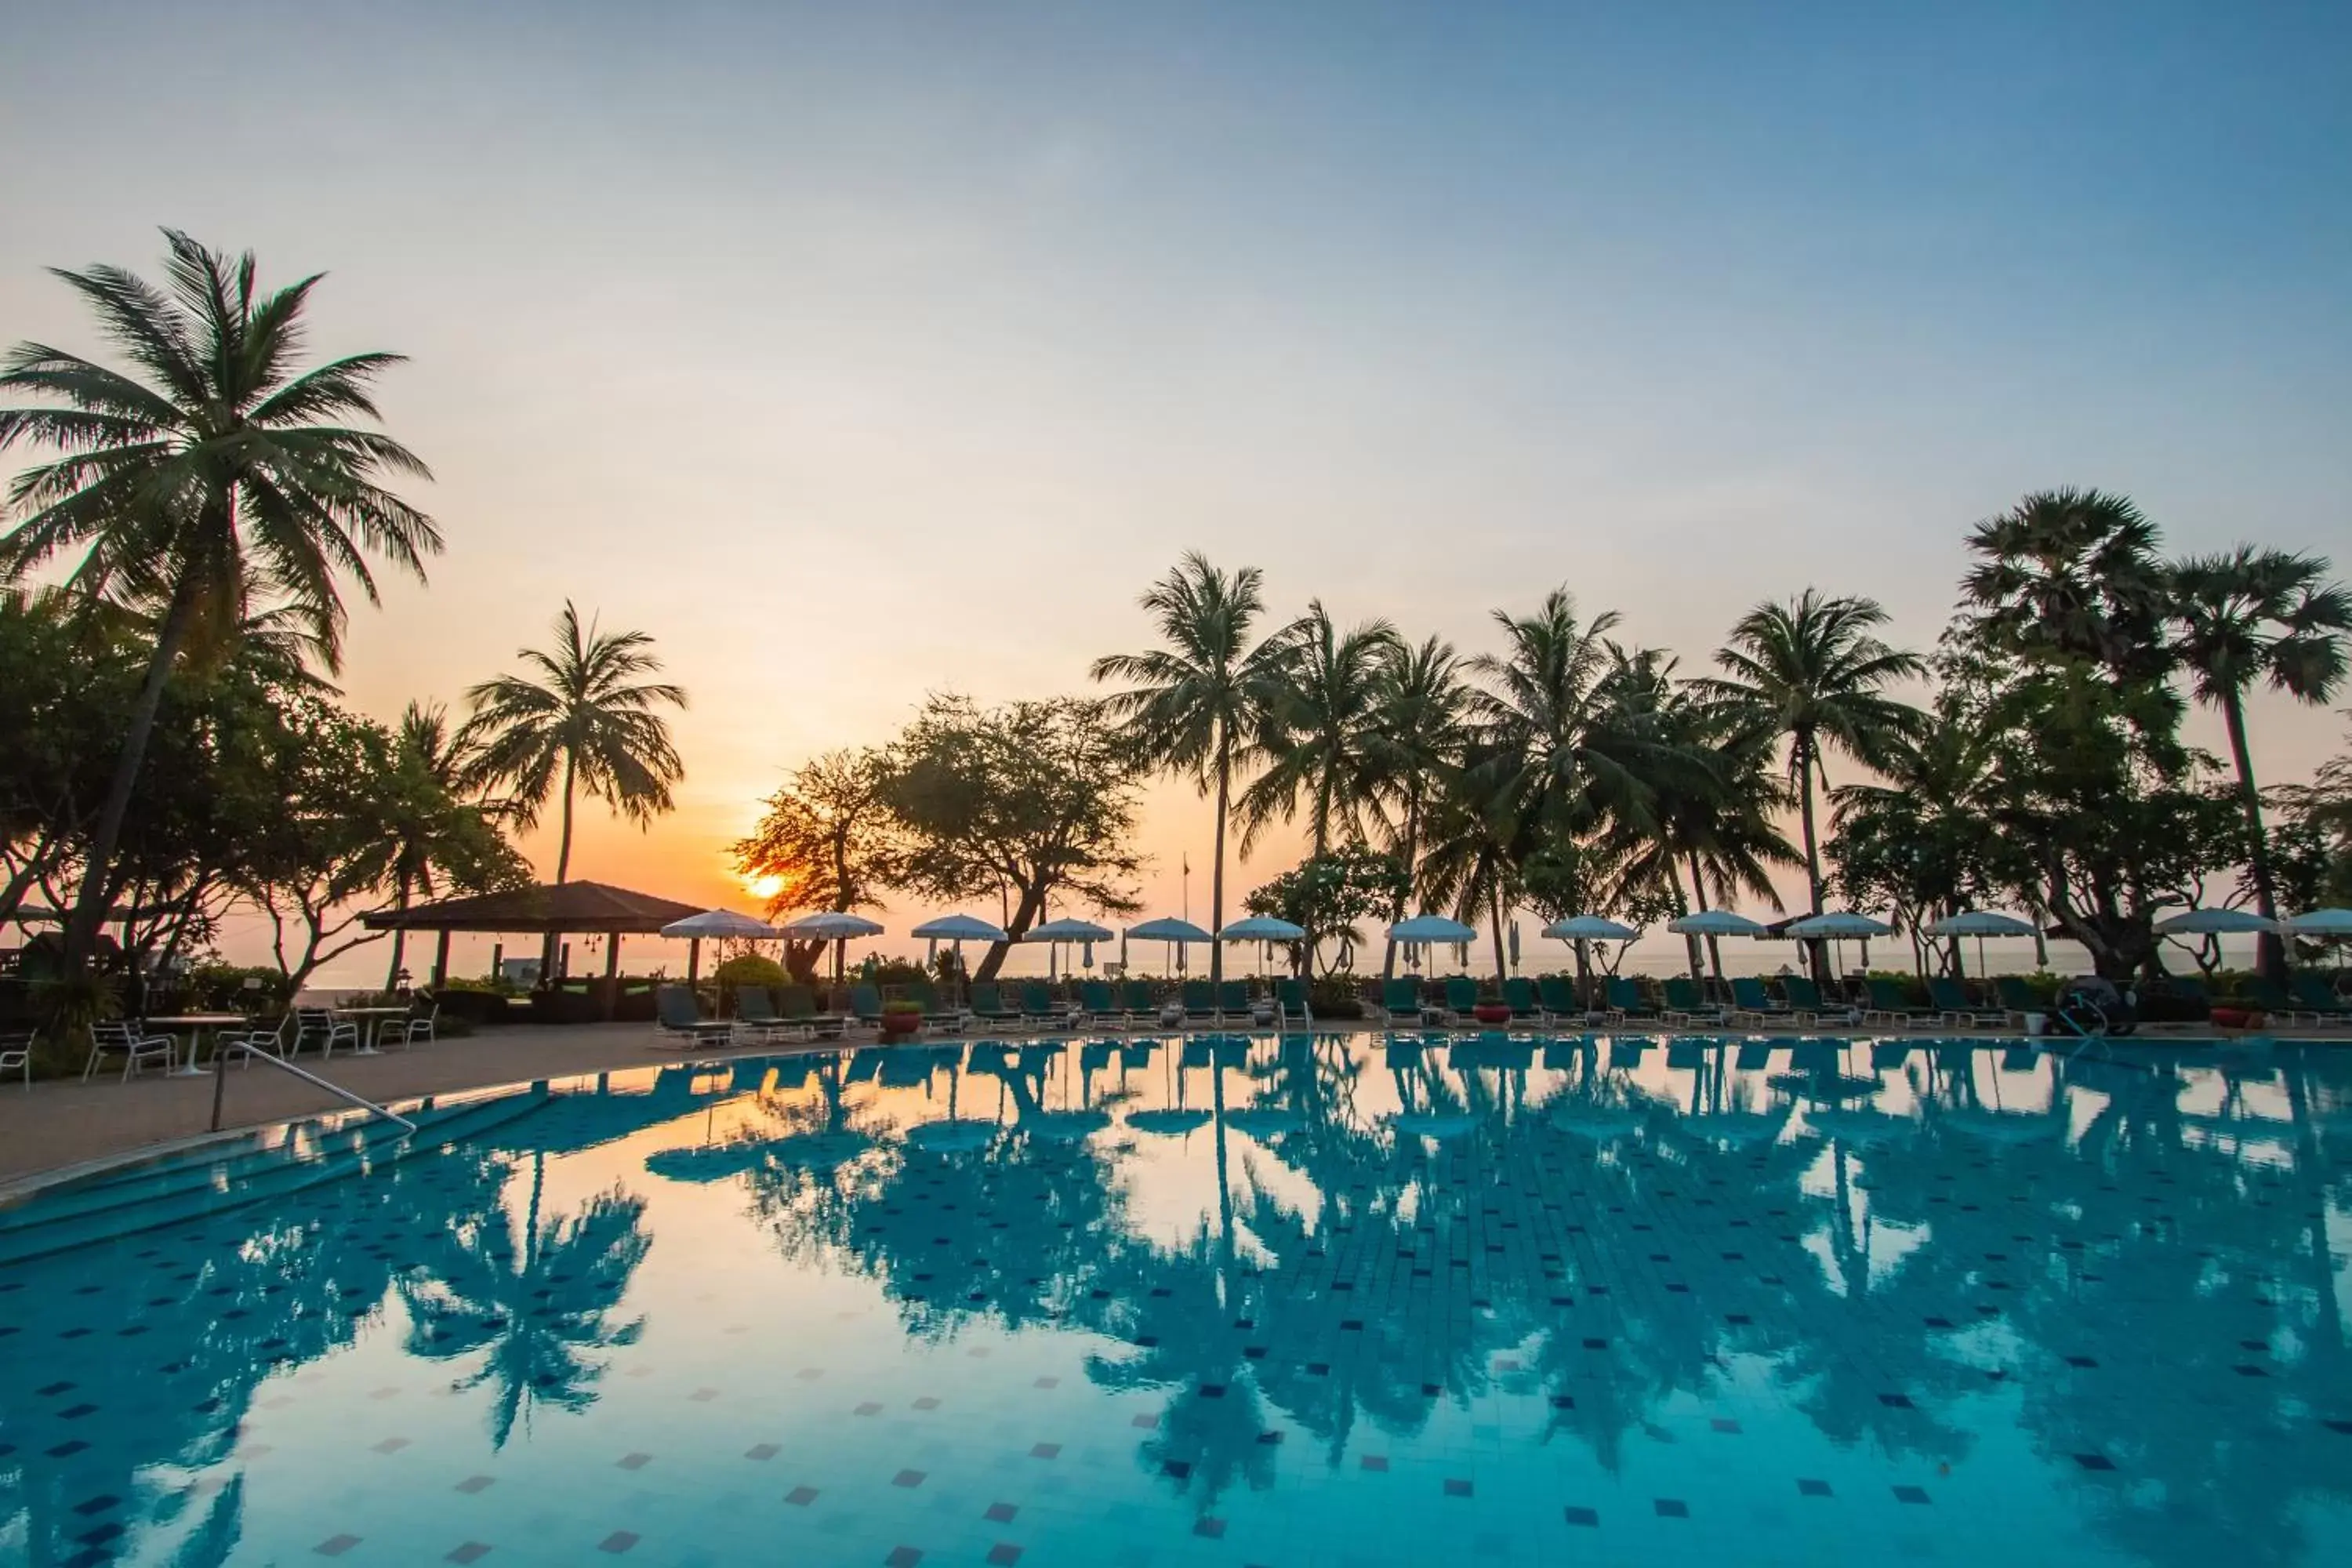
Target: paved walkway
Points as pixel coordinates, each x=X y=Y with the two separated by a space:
x=66 y=1123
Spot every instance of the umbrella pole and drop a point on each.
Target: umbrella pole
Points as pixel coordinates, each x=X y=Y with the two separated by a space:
x=693 y=961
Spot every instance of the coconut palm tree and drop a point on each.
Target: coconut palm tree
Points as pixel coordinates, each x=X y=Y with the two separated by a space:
x=1714 y=808
x=1418 y=730
x=2268 y=615
x=1814 y=670
x=1477 y=842
x=440 y=836
x=1197 y=707
x=1562 y=751
x=589 y=719
x=1320 y=732
x=214 y=477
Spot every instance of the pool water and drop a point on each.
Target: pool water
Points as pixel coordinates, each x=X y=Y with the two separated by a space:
x=1305 y=1301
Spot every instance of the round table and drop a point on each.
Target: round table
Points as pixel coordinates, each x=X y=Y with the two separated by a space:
x=367 y=1046
x=196 y=1024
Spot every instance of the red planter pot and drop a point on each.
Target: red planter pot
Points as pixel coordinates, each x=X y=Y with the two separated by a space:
x=1491 y=1012
x=897 y=1026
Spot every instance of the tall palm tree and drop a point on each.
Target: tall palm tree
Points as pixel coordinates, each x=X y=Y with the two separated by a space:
x=214 y=477
x=2258 y=615
x=1418 y=730
x=1814 y=670
x=590 y=718
x=1715 y=808
x=1319 y=734
x=1478 y=843
x=2072 y=573
x=1197 y=706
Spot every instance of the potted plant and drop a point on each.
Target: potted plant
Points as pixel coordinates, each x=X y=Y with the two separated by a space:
x=1492 y=1012
x=900 y=1019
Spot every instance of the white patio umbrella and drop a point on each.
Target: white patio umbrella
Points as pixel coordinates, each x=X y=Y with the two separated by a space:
x=2320 y=922
x=1837 y=925
x=2214 y=922
x=715 y=924
x=956 y=929
x=1062 y=930
x=1176 y=934
x=1980 y=924
x=1713 y=922
x=833 y=926
x=1423 y=930
x=1578 y=930
x=1261 y=929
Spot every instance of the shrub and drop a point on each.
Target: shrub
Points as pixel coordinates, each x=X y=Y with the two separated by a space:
x=903 y=1007
x=213 y=986
x=1335 y=996
x=747 y=969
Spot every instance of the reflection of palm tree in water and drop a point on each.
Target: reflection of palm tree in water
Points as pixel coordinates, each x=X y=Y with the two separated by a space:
x=537 y=1302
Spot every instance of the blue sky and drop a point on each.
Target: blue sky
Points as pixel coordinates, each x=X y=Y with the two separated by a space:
x=859 y=351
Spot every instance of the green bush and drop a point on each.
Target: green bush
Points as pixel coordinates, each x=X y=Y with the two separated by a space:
x=1335 y=996
x=747 y=969
x=214 y=985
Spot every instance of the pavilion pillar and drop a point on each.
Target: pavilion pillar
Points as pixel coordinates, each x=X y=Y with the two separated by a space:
x=441 y=961
x=608 y=1006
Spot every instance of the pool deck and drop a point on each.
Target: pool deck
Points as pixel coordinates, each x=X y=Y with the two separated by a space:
x=57 y=1125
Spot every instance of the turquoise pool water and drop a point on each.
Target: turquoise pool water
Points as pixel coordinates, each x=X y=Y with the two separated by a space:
x=1287 y=1301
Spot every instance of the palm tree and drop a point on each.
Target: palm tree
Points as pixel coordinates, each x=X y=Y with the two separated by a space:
x=2258 y=615
x=1714 y=809
x=2072 y=573
x=589 y=717
x=1814 y=669
x=225 y=481
x=1478 y=843
x=438 y=831
x=1197 y=706
x=1418 y=730
x=1319 y=734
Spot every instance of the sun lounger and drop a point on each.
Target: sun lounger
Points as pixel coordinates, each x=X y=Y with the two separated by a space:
x=797 y=1007
x=1199 y=1003
x=1290 y=1003
x=1461 y=998
x=1401 y=1001
x=1954 y=1005
x=1556 y=1000
x=1888 y=1005
x=2017 y=999
x=1100 y=1003
x=1806 y=1004
x=947 y=1019
x=988 y=1006
x=1750 y=1001
x=1038 y=1007
x=1685 y=1005
x=1137 y=1002
x=1626 y=1001
x=2315 y=998
x=1234 y=1004
x=677 y=1017
x=756 y=1015
x=1519 y=995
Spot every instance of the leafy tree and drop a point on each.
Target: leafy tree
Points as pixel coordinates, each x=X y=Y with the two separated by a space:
x=590 y=718
x=1328 y=895
x=222 y=481
x=1196 y=706
x=1815 y=671
x=2319 y=815
x=1417 y=732
x=1320 y=734
x=2264 y=616
x=1036 y=799
x=827 y=841
x=2071 y=574
x=437 y=838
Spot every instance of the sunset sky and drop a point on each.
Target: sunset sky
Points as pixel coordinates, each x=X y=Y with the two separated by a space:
x=858 y=351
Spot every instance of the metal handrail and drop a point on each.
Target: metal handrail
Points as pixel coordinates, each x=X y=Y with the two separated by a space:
x=253 y=1052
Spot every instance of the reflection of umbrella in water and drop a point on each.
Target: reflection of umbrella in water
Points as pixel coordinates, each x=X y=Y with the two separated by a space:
x=1739 y=1128
x=1168 y=1124
x=1262 y=1120
x=1858 y=1127
x=953 y=1134
x=1999 y=1126
x=1597 y=1121
x=1064 y=1126
x=825 y=1150
x=706 y=1162
x=1434 y=1124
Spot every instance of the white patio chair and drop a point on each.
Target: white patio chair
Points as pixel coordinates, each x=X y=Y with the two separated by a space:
x=416 y=1030
x=137 y=1049
x=316 y=1024
x=17 y=1053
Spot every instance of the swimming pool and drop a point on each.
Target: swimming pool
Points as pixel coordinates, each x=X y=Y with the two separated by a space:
x=1307 y=1300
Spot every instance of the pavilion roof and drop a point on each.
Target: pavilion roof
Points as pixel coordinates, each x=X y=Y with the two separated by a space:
x=566 y=906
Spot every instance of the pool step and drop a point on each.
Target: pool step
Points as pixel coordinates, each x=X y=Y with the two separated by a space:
x=197 y=1183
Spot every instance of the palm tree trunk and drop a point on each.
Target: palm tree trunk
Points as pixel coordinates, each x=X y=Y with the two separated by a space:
x=1816 y=950
x=399 y=939
x=1690 y=939
x=1412 y=848
x=1495 y=915
x=89 y=903
x=1217 y=872
x=1714 y=943
x=547 y=950
x=2271 y=952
